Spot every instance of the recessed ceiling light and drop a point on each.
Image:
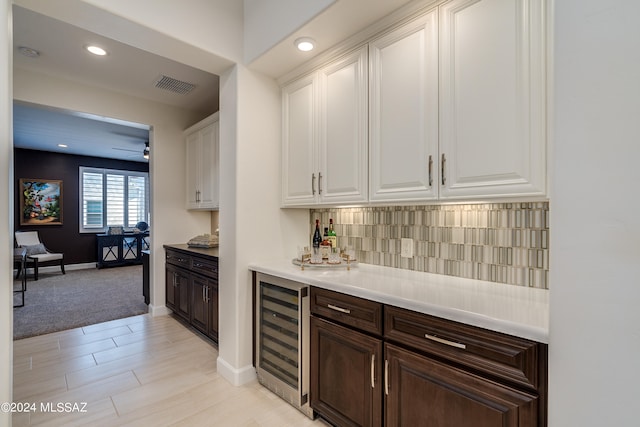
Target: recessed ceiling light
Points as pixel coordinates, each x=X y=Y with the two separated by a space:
x=305 y=44
x=27 y=51
x=62 y=145
x=96 y=50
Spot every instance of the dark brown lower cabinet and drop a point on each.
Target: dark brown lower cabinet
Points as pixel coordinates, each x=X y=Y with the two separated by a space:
x=192 y=289
x=419 y=370
x=177 y=288
x=424 y=392
x=204 y=300
x=346 y=386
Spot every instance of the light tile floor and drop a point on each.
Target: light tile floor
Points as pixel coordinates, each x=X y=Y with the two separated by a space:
x=137 y=371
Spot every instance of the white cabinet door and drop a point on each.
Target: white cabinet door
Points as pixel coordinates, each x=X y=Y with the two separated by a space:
x=324 y=147
x=202 y=164
x=343 y=138
x=299 y=171
x=492 y=91
x=403 y=112
x=209 y=170
x=194 y=142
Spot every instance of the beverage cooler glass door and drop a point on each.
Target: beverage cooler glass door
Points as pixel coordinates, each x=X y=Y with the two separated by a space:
x=282 y=339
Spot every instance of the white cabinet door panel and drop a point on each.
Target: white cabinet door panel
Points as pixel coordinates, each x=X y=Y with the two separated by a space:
x=343 y=130
x=299 y=175
x=202 y=164
x=492 y=124
x=404 y=112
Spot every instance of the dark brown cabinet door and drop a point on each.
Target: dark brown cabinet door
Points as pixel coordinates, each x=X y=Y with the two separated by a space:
x=183 y=294
x=346 y=386
x=199 y=317
x=212 y=300
x=424 y=392
x=171 y=287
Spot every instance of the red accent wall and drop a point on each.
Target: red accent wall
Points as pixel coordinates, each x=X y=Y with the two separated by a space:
x=77 y=247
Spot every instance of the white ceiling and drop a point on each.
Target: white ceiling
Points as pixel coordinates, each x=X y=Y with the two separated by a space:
x=125 y=69
x=134 y=72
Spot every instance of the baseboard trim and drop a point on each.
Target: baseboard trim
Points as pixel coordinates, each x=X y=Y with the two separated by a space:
x=159 y=310
x=235 y=376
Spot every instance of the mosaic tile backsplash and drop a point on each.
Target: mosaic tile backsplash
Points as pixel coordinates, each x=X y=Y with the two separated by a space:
x=498 y=242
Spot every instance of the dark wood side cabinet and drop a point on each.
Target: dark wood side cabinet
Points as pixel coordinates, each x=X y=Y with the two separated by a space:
x=114 y=250
x=192 y=287
x=375 y=365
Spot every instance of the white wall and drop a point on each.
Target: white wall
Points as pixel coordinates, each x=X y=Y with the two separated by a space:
x=6 y=214
x=268 y=22
x=181 y=39
x=595 y=203
x=167 y=149
x=252 y=226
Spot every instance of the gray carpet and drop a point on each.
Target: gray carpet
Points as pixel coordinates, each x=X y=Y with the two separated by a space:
x=59 y=301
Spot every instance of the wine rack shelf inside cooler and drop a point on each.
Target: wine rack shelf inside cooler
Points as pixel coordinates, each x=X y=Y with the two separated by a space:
x=279 y=349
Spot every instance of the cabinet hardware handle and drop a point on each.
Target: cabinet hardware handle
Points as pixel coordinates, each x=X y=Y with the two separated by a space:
x=444 y=341
x=313 y=184
x=430 y=170
x=340 y=309
x=319 y=183
x=444 y=160
x=175 y=279
x=373 y=371
x=207 y=299
x=386 y=377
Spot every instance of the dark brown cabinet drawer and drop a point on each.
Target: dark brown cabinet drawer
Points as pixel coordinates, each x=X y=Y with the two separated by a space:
x=352 y=311
x=205 y=267
x=176 y=258
x=509 y=358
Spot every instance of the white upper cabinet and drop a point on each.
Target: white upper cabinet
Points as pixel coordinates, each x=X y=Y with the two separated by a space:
x=299 y=171
x=404 y=112
x=492 y=98
x=456 y=111
x=325 y=135
x=203 y=164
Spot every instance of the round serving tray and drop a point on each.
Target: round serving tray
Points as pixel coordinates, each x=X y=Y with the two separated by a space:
x=325 y=264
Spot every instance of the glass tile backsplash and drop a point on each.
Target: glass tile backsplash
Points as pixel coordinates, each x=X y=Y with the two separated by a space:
x=498 y=242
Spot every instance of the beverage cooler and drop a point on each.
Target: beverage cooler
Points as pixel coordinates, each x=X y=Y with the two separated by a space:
x=282 y=339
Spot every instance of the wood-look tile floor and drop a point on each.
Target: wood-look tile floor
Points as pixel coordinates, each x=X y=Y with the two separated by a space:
x=137 y=371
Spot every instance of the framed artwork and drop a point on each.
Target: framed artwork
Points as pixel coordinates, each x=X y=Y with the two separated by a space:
x=40 y=202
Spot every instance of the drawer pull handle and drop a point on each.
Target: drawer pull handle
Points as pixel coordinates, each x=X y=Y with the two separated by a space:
x=340 y=309
x=386 y=377
x=373 y=371
x=444 y=341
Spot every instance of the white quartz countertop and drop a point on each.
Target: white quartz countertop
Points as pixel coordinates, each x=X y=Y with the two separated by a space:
x=514 y=310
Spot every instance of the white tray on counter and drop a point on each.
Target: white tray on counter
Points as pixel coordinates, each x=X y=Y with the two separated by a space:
x=325 y=264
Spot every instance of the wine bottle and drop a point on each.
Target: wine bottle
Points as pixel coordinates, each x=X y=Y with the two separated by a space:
x=317 y=238
x=332 y=235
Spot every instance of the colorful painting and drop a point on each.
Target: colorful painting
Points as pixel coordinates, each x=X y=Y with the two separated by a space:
x=40 y=202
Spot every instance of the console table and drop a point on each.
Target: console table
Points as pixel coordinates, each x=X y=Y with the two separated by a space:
x=121 y=249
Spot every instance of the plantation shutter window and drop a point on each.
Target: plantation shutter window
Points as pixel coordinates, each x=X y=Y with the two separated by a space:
x=112 y=198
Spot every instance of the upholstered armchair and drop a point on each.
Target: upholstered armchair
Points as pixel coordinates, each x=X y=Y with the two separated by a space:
x=37 y=253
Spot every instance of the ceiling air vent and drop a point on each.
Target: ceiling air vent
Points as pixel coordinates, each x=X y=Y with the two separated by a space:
x=174 y=85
